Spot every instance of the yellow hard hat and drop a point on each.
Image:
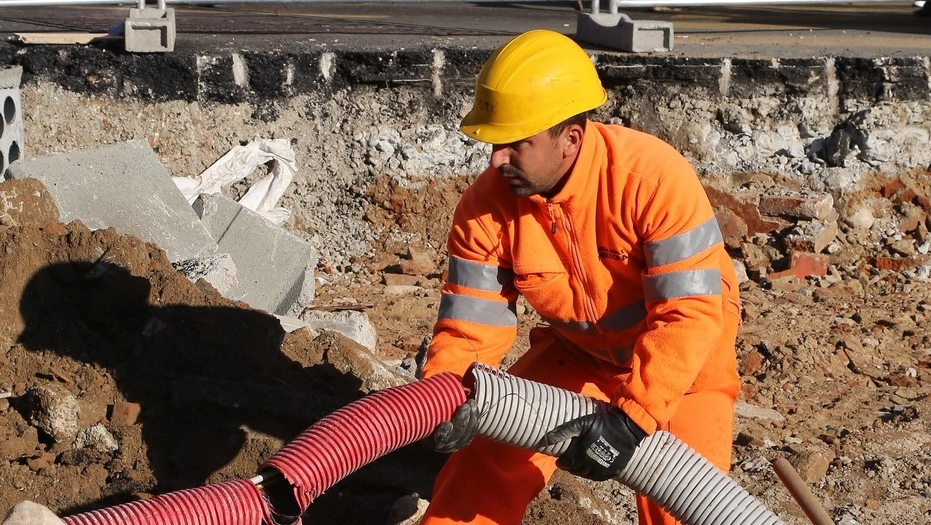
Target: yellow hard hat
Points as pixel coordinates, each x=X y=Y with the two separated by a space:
x=530 y=84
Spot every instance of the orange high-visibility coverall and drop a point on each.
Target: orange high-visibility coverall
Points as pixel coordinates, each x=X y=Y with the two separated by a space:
x=627 y=266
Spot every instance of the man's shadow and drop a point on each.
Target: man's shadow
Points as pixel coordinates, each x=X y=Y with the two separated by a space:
x=200 y=374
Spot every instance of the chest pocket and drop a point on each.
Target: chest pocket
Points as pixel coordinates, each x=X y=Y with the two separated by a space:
x=544 y=281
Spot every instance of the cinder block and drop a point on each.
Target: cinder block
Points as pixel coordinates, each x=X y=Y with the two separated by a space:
x=123 y=186
x=149 y=30
x=11 y=120
x=274 y=267
x=618 y=31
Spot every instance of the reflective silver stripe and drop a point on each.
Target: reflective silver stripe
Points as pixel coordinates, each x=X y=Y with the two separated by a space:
x=479 y=276
x=579 y=327
x=684 y=245
x=481 y=311
x=682 y=284
x=625 y=318
x=622 y=319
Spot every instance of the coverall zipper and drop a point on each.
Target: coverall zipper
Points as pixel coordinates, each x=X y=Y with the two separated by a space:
x=549 y=208
x=579 y=269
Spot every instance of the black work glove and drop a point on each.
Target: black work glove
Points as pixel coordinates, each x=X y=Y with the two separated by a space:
x=450 y=436
x=602 y=444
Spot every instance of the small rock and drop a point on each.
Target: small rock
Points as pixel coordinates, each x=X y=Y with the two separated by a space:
x=811 y=465
x=31 y=513
x=407 y=510
x=53 y=410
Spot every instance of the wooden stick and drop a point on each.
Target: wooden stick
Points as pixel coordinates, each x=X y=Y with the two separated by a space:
x=802 y=494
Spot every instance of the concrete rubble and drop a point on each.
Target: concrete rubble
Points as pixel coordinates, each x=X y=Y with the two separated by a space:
x=241 y=254
x=779 y=232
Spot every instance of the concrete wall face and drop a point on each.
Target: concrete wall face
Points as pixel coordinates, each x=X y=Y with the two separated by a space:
x=829 y=122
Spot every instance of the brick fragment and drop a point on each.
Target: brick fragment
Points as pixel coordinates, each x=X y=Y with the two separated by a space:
x=805 y=264
x=125 y=413
x=744 y=206
x=750 y=363
x=812 y=236
x=892 y=187
x=895 y=264
x=798 y=206
x=733 y=227
x=746 y=440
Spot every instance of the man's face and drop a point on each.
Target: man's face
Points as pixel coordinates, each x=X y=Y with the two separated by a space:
x=534 y=165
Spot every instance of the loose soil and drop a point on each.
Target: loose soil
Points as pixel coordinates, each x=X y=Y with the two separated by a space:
x=96 y=327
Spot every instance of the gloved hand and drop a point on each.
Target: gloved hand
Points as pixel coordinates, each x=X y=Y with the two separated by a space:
x=450 y=436
x=602 y=444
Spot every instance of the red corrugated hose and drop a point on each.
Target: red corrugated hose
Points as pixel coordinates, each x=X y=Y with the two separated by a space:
x=326 y=452
x=235 y=502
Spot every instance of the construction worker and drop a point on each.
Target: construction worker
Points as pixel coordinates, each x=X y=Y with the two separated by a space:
x=609 y=236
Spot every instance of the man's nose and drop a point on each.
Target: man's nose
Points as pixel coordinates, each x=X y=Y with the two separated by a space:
x=500 y=155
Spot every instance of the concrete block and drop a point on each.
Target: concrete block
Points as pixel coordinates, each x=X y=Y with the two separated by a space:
x=274 y=267
x=149 y=30
x=123 y=186
x=11 y=119
x=618 y=31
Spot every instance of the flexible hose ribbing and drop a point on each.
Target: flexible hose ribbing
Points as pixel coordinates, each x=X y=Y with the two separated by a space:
x=519 y=412
x=362 y=431
x=235 y=502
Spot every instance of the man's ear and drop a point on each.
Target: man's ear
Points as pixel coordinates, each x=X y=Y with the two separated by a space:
x=573 y=145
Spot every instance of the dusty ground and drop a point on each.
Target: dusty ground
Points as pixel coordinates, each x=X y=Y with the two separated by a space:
x=97 y=327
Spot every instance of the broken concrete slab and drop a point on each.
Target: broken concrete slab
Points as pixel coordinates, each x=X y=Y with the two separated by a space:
x=273 y=266
x=123 y=186
x=353 y=324
x=218 y=269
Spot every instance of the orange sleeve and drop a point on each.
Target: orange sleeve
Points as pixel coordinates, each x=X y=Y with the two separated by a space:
x=477 y=316
x=685 y=310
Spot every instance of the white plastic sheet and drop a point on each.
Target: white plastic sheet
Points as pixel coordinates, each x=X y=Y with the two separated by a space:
x=262 y=197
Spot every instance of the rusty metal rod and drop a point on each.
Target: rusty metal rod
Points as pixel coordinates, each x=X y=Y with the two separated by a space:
x=802 y=494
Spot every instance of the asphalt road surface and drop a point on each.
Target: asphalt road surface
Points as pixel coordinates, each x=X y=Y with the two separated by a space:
x=875 y=29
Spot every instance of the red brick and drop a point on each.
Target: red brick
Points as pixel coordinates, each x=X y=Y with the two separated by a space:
x=805 y=264
x=924 y=202
x=812 y=236
x=896 y=264
x=797 y=206
x=892 y=187
x=733 y=228
x=746 y=207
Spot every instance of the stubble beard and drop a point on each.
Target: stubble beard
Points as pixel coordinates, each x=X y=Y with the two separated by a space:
x=525 y=188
